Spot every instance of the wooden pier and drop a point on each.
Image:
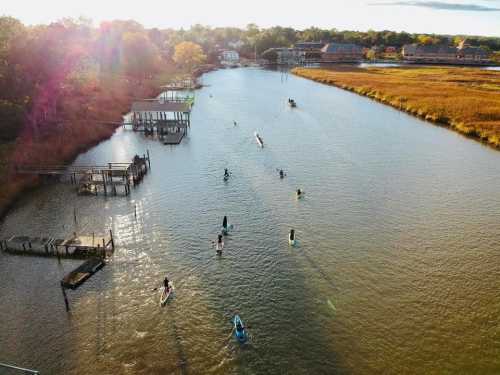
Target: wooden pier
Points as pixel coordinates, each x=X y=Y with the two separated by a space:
x=169 y=119
x=92 y=179
x=73 y=246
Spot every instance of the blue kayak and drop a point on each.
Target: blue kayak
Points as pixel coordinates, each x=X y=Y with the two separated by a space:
x=239 y=329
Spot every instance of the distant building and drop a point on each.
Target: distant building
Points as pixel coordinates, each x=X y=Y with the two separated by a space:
x=335 y=52
x=286 y=56
x=468 y=54
x=429 y=53
x=445 y=54
x=229 y=57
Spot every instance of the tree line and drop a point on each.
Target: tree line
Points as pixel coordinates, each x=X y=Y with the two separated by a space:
x=41 y=64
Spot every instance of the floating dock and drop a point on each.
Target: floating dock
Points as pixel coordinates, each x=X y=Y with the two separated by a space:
x=80 y=274
x=74 y=246
x=172 y=138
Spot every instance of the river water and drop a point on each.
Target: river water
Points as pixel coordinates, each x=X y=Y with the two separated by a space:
x=397 y=268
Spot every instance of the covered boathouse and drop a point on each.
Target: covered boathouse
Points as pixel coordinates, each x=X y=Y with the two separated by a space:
x=169 y=119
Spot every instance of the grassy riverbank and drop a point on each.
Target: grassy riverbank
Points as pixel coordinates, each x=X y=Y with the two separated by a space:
x=466 y=100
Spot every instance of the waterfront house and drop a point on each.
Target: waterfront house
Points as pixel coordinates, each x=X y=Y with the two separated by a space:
x=340 y=52
x=286 y=56
x=469 y=54
x=445 y=54
x=429 y=53
x=229 y=58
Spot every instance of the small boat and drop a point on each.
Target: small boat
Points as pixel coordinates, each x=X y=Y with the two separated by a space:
x=164 y=295
x=259 y=139
x=239 y=329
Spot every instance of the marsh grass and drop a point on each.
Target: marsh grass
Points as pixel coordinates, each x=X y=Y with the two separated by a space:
x=464 y=99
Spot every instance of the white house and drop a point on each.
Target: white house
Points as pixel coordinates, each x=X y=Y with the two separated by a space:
x=229 y=57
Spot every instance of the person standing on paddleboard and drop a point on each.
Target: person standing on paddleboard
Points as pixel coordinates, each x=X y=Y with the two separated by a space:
x=224 y=223
x=165 y=283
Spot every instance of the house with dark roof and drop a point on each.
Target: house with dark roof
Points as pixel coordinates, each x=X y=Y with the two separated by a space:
x=341 y=52
x=286 y=56
x=468 y=54
x=445 y=54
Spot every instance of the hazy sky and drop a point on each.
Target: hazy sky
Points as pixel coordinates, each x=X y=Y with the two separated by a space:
x=443 y=16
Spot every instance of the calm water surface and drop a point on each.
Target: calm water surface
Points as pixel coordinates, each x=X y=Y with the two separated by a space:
x=397 y=269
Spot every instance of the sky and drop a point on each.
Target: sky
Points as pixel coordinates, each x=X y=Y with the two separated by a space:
x=416 y=16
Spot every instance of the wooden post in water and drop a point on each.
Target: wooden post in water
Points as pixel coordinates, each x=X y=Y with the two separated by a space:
x=65 y=297
x=149 y=160
x=112 y=240
x=104 y=183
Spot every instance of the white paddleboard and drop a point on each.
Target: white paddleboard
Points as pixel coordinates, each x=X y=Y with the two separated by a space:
x=164 y=296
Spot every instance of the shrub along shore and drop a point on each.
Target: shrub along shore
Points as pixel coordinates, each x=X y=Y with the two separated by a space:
x=466 y=100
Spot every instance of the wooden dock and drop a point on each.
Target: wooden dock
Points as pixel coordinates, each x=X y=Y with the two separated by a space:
x=73 y=246
x=172 y=138
x=82 y=273
x=170 y=119
x=93 y=179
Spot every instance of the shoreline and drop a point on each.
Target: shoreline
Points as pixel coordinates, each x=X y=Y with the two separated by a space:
x=17 y=185
x=469 y=130
x=28 y=184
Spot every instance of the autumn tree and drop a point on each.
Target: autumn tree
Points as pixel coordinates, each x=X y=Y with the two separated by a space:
x=189 y=55
x=140 y=57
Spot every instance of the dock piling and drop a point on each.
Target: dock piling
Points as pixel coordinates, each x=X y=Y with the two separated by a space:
x=65 y=296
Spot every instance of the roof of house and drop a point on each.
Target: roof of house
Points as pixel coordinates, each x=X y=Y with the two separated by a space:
x=341 y=48
x=309 y=45
x=156 y=106
x=468 y=50
x=434 y=49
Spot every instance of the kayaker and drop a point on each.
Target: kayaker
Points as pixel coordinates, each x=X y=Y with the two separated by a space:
x=224 y=222
x=235 y=123
x=299 y=192
x=165 y=284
